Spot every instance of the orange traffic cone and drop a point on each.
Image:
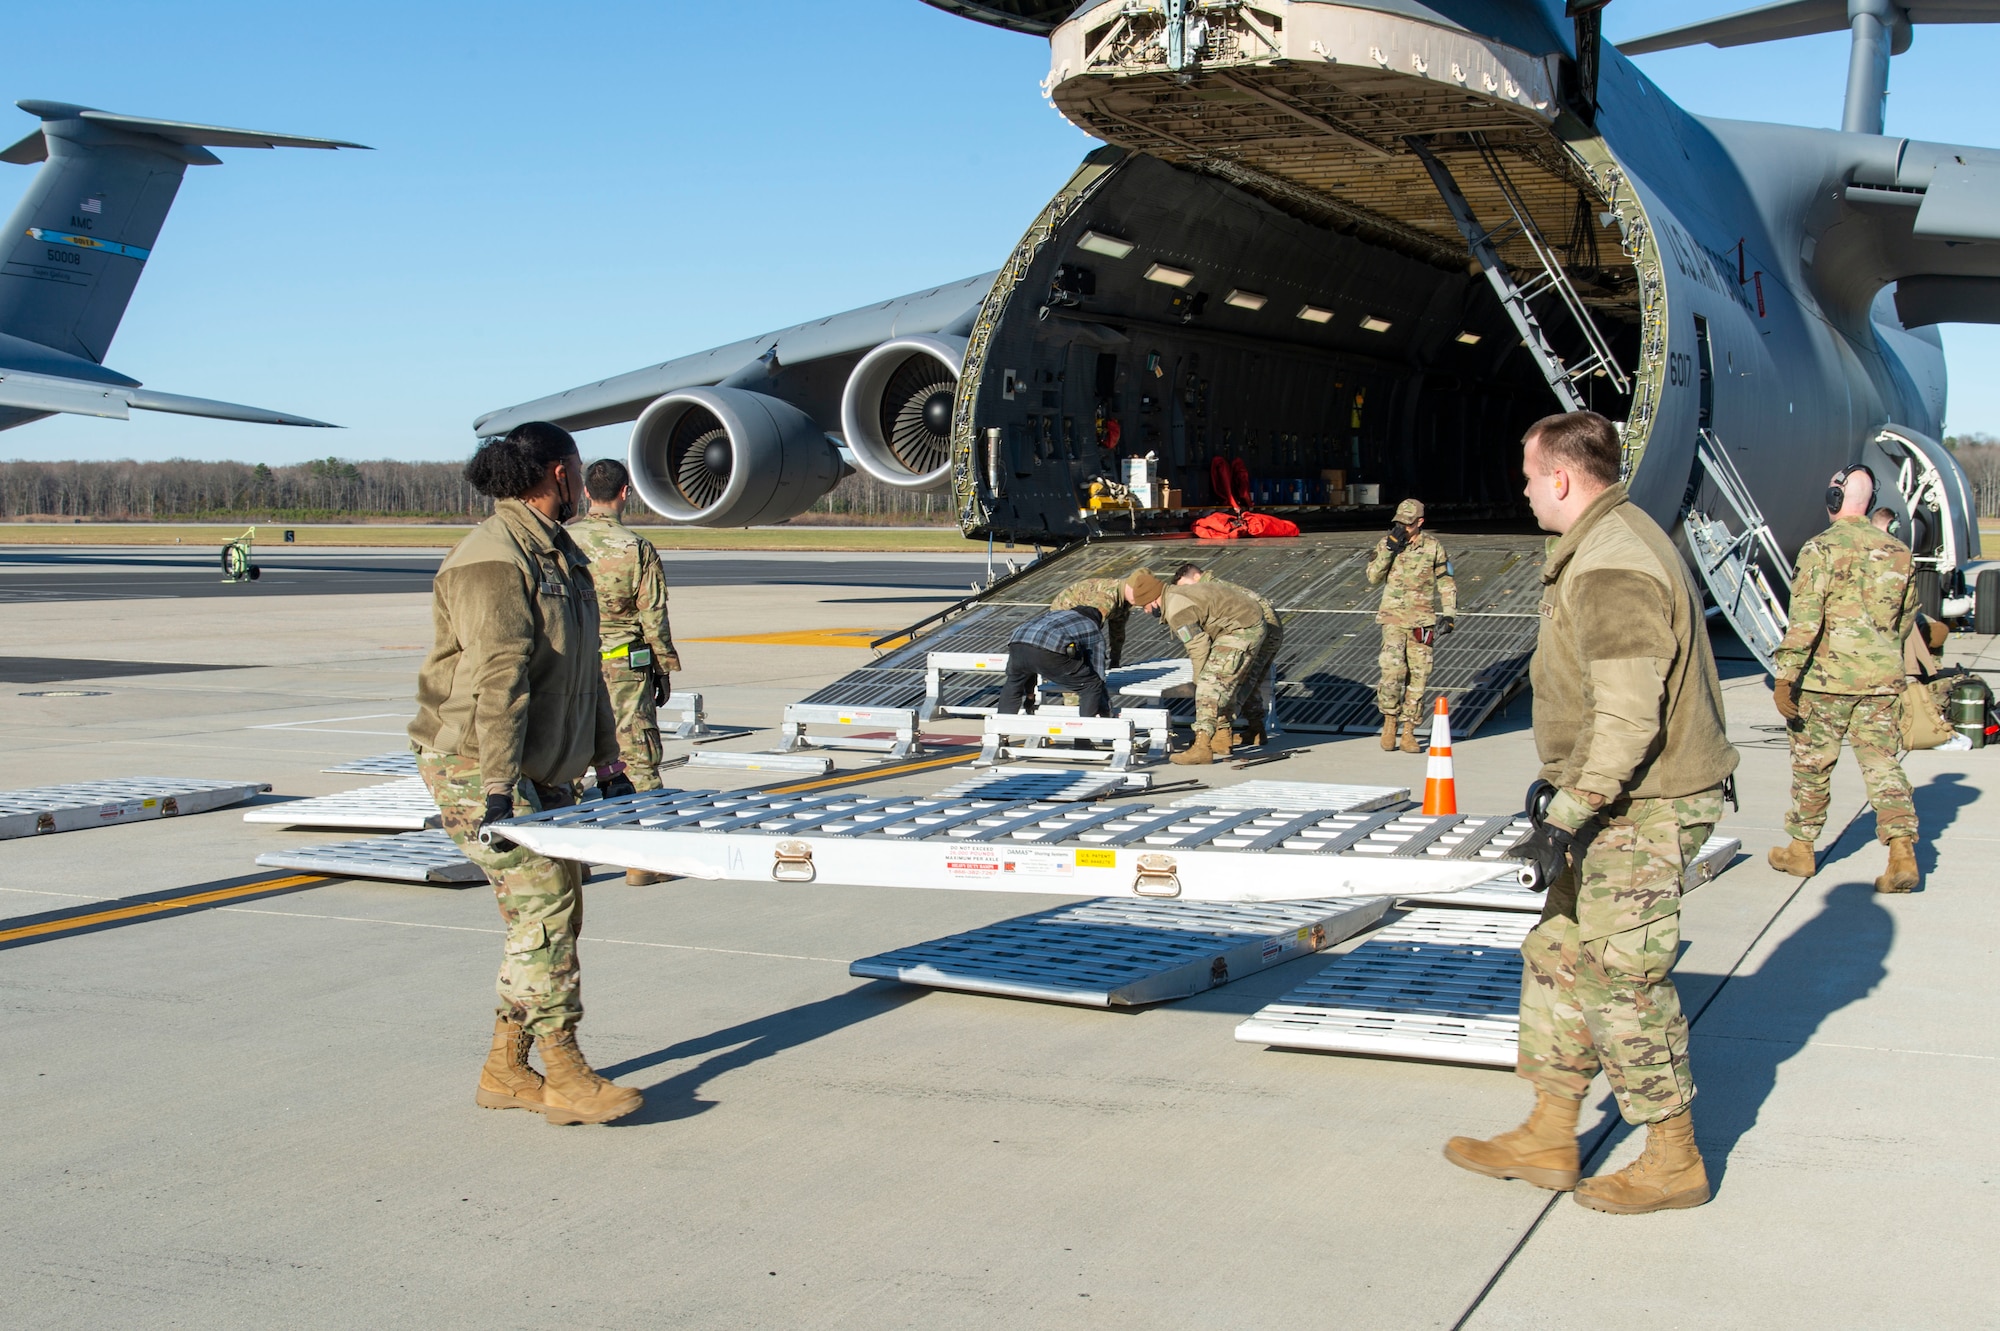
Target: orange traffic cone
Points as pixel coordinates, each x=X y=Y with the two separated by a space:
x=1440 y=790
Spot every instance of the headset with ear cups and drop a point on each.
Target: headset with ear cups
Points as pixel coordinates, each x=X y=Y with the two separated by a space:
x=1836 y=489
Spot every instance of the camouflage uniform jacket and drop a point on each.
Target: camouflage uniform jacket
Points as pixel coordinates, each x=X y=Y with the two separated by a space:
x=1420 y=586
x=1852 y=603
x=1107 y=597
x=1198 y=613
x=1264 y=607
x=512 y=680
x=631 y=588
x=1627 y=702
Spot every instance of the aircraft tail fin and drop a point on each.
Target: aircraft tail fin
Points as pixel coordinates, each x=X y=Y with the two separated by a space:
x=74 y=248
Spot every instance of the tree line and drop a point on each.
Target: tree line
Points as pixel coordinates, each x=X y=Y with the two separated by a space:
x=336 y=489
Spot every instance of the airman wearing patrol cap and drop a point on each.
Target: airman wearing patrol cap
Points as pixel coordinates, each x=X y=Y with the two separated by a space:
x=1419 y=601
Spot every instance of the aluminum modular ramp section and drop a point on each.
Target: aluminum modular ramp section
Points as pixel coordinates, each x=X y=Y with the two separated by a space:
x=413 y=857
x=393 y=806
x=132 y=799
x=1317 y=582
x=1437 y=984
x=1115 y=953
x=403 y=763
x=1504 y=892
x=1024 y=845
x=1298 y=795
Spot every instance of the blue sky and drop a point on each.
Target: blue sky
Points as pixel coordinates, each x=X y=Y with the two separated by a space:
x=560 y=193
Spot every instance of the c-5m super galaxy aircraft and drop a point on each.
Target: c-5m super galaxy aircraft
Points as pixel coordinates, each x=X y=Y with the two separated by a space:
x=1382 y=237
x=74 y=249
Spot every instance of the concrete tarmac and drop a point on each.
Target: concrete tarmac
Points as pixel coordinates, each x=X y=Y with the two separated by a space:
x=261 y=1114
x=111 y=573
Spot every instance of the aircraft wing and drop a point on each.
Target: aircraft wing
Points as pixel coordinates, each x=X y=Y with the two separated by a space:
x=840 y=338
x=1802 y=18
x=53 y=394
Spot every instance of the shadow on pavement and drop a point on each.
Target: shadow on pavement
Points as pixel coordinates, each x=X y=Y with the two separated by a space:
x=751 y=1042
x=1939 y=802
x=1835 y=959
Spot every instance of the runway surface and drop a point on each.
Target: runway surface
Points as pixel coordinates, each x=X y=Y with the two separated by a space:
x=111 y=573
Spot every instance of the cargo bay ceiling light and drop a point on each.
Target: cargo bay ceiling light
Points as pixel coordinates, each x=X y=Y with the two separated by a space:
x=1173 y=277
x=1099 y=243
x=1374 y=325
x=1246 y=300
x=1313 y=314
x=1469 y=339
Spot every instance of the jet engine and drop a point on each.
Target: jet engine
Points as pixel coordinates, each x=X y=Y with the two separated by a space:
x=896 y=411
x=727 y=457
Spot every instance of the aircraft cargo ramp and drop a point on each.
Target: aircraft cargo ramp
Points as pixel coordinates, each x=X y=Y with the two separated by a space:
x=1317 y=582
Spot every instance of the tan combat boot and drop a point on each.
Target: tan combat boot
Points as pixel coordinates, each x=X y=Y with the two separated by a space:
x=1409 y=742
x=507 y=1082
x=1902 y=875
x=1388 y=732
x=1796 y=858
x=1198 y=754
x=1541 y=1151
x=1667 y=1176
x=645 y=878
x=572 y=1093
x=1225 y=739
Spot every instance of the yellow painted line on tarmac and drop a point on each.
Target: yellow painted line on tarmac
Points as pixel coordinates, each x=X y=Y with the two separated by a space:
x=813 y=638
x=873 y=773
x=144 y=908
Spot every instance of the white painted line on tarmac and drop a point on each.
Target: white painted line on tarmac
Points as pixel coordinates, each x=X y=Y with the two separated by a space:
x=311 y=727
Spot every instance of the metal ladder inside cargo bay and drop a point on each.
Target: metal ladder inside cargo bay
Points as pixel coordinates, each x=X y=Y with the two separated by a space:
x=1732 y=566
x=1485 y=246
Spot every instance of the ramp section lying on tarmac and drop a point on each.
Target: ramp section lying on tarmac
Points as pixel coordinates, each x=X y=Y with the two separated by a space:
x=1436 y=984
x=393 y=806
x=1116 y=953
x=413 y=857
x=403 y=763
x=132 y=799
x=982 y=844
x=1318 y=584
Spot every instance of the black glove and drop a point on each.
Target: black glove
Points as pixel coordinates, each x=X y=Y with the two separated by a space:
x=615 y=787
x=661 y=690
x=1548 y=850
x=1398 y=538
x=497 y=808
x=1447 y=623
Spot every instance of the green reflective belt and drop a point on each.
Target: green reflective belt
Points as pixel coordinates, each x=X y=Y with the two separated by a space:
x=641 y=658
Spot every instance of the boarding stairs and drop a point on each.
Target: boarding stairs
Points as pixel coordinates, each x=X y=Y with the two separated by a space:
x=1519 y=298
x=1732 y=565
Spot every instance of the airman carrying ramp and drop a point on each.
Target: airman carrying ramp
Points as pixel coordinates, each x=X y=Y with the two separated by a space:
x=1318 y=584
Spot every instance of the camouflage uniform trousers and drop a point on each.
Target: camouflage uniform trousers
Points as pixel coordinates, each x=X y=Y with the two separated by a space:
x=638 y=722
x=1224 y=673
x=1250 y=703
x=1596 y=988
x=541 y=901
x=1405 y=666
x=1868 y=722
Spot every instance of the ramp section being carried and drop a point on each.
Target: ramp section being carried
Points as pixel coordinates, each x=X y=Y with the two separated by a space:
x=1504 y=892
x=413 y=857
x=393 y=806
x=1023 y=845
x=1114 y=953
x=133 y=799
x=1317 y=583
x=1436 y=984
